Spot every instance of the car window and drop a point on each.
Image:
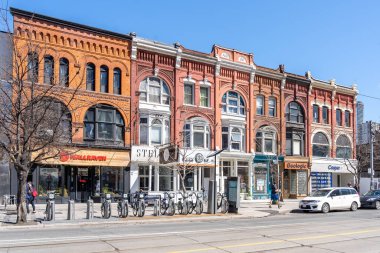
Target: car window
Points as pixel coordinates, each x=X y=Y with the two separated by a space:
x=353 y=191
x=335 y=193
x=345 y=191
x=377 y=193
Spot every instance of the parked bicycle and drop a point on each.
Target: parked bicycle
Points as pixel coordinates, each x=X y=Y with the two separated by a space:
x=183 y=203
x=105 y=208
x=138 y=204
x=167 y=204
x=122 y=206
x=222 y=202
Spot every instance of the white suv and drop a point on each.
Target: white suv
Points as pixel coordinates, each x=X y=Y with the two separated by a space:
x=334 y=198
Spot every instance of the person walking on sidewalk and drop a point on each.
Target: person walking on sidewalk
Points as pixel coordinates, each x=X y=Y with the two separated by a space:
x=274 y=198
x=30 y=192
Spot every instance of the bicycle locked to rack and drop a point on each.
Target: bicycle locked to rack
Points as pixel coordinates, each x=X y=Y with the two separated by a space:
x=222 y=202
x=138 y=204
x=122 y=206
x=167 y=205
x=183 y=203
x=105 y=208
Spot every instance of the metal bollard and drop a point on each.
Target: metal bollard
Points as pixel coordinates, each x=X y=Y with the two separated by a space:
x=90 y=209
x=71 y=210
x=156 y=209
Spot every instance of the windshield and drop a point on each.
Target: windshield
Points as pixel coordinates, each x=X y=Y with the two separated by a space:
x=320 y=193
x=372 y=193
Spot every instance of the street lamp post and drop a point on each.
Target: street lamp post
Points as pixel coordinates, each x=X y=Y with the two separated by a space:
x=214 y=195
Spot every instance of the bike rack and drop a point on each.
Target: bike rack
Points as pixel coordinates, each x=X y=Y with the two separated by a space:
x=50 y=206
x=156 y=209
x=71 y=210
x=90 y=209
x=107 y=204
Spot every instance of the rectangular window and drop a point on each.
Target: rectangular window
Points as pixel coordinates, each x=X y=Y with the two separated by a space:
x=165 y=179
x=325 y=114
x=198 y=140
x=112 y=180
x=272 y=107
x=154 y=94
x=347 y=118
x=338 y=117
x=296 y=147
x=189 y=94
x=259 y=105
x=315 y=113
x=205 y=96
x=288 y=144
x=155 y=134
x=269 y=145
x=225 y=137
x=144 y=178
x=144 y=133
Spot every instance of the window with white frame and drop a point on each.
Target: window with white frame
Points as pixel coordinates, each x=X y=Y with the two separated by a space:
x=321 y=145
x=343 y=147
x=205 y=96
x=233 y=138
x=196 y=133
x=154 y=130
x=154 y=90
x=233 y=103
x=272 y=107
x=189 y=93
x=266 y=141
x=259 y=105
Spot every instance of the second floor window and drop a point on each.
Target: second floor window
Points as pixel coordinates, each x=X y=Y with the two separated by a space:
x=196 y=134
x=272 y=107
x=338 y=117
x=205 y=96
x=233 y=103
x=294 y=113
x=154 y=131
x=260 y=105
x=233 y=138
x=347 y=118
x=189 y=93
x=343 y=147
x=104 y=79
x=90 y=77
x=117 y=81
x=266 y=140
x=63 y=72
x=32 y=67
x=48 y=69
x=325 y=114
x=321 y=145
x=154 y=90
x=315 y=113
x=294 y=143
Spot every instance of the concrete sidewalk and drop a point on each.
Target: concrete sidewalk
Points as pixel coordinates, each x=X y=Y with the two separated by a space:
x=248 y=209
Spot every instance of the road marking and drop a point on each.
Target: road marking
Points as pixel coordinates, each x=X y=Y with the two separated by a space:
x=277 y=241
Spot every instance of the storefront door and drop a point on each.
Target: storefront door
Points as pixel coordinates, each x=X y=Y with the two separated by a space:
x=83 y=184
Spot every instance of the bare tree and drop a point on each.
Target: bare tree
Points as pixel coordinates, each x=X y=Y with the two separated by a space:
x=34 y=124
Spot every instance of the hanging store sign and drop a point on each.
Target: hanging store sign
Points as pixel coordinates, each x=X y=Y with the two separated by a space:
x=296 y=166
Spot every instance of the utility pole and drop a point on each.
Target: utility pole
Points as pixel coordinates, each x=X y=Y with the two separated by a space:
x=371 y=154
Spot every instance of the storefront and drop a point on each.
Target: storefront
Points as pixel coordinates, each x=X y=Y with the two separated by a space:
x=295 y=177
x=263 y=175
x=327 y=172
x=149 y=175
x=236 y=164
x=83 y=173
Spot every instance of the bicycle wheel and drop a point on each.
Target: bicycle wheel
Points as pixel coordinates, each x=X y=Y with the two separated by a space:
x=200 y=207
x=219 y=199
x=180 y=207
x=135 y=209
x=171 y=211
x=109 y=210
x=141 y=209
x=163 y=208
x=191 y=207
x=185 y=208
x=126 y=210
x=119 y=210
x=225 y=206
x=102 y=210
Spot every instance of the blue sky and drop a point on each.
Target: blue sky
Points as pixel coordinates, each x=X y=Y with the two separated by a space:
x=332 y=39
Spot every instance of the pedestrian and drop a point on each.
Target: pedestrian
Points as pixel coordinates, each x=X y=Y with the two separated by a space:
x=274 y=194
x=349 y=184
x=31 y=193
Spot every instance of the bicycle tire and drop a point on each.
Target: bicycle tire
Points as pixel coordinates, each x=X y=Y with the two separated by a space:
x=102 y=209
x=200 y=207
x=225 y=206
x=191 y=208
x=141 y=209
x=126 y=210
x=109 y=210
x=119 y=210
x=185 y=208
x=135 y=209
x=172 y=208
x=163 y=208
x=219 y=199
x=180 y=207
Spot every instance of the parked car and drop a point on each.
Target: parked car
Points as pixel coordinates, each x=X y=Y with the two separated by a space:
x=371 y=199
x=333 y=198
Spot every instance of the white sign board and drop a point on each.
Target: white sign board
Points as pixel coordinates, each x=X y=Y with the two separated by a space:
x=145 y=154
x=193 y=157
x=332 y=165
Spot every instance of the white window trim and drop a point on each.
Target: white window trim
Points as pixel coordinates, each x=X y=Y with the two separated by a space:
x=238 y=106
x=148 y=91
x=151 y=118
x=242 y=130
x=209 y=96
x=263 y=104
x=207 y=137
x=193 y=93
x=274 y=141
x=275 y=107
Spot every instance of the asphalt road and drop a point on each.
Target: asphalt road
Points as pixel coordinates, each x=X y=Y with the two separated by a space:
x=343 y=231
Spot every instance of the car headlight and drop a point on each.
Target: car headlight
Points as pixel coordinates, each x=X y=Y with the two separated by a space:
x=315 y=201
x=371 y=199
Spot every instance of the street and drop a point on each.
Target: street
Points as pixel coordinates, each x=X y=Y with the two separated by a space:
x=342 y=231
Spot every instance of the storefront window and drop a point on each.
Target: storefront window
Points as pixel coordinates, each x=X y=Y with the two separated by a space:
x=165 y=179
x=244 y=176
x=144 y=178
x=260 y=182
x=49 y=181
x=189 y=181
x=112 y=180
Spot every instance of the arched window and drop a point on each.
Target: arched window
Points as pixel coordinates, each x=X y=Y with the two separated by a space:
x=153 y=130
x=233 y=103
x=321 y=145
x=266 y=141
x=33 y=67
x=196 y=133
x=48 y=69
x=104 y=79
x=117 y=81
x=104 y=123
x=343 y=147
x=154 y=90
x=294 y=113
x=63 y=72
x=90 y=77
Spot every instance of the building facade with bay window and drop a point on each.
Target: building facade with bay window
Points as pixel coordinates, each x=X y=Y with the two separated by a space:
x=89 y=70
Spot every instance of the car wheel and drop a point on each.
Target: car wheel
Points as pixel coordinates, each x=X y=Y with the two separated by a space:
x=377 y=205
x=354 y=206
x=325 y=208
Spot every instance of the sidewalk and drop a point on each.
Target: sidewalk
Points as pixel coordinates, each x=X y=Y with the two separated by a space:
x=248 y=209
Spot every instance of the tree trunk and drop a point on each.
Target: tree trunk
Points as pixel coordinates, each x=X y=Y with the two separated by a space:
x=21 y=196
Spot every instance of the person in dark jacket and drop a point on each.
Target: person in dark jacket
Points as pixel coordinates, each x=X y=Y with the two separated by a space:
x=30 y=197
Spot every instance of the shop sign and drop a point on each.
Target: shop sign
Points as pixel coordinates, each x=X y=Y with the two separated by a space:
x=65 y=156
x=296 y=166
x=331 y=166
x=334 y=167
x=195 y=157
x=145 y=154
x=259 y=165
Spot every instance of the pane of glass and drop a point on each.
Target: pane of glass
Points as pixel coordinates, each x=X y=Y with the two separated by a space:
x=143 y=134
x=105 y=115
x=259 y=144
x=119 y=119
x=165 y=89
x=242 y=111
x=268 y=145
x=296 y=147
x=105 y=131
x=198 y=128
x=241 y=101
x=63 y=71
x=116 y=82
x=235 y=137
x=288 y=146
x=224 y=98
x=143 y=96
x=165 y=99
x=320 y=150
x=156 y=134
x=89 y=115
x=103 y=79
x=232 y=94
x=198 y=139
x=119 y=133
x=271 y=112
x=186 y=138
x=143 y=85
x=204 y=96
x=233 y=110
x=167 y=132
x=154 y=94
x=165 y=179
x=143 y=120
x=224 y=108
x=89 y=130
x=224 y=129
x=233 y=102
x=188 y=94
x=48 y=70
x=225 y=141
x=235 y=145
